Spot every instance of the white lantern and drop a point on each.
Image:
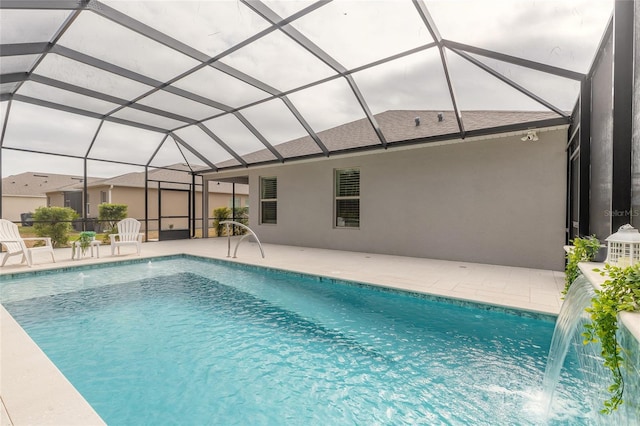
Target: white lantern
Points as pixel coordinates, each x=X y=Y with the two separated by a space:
x=624 y=247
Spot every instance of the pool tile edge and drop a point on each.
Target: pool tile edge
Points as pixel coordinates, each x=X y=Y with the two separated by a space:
x=543 y=315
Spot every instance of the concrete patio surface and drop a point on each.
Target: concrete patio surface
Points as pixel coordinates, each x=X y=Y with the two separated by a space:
x=33 y=391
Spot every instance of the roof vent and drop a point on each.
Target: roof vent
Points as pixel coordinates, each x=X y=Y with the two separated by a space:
x=417 y=119
x=440 y=117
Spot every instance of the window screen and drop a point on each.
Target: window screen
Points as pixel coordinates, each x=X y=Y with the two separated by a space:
x=269 y=200
x=347 y=198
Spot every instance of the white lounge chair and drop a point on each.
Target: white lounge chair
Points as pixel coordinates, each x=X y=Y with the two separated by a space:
x=128 y=234
x=15 y=245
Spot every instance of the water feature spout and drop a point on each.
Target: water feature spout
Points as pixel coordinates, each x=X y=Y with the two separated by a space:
x=572 y=316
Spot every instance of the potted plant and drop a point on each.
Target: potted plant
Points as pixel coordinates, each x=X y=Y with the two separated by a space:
x=83 y=242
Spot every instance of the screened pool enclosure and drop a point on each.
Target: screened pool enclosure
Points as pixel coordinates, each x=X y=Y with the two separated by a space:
x=100 y=88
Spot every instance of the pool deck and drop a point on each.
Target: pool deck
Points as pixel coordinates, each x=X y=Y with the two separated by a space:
x=33 y=391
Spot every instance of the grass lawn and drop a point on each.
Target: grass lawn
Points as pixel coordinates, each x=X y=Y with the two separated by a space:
x=29 y=232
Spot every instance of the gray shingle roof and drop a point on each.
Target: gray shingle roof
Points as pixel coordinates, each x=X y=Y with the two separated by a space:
x=136 y=180
x=397 y=126
x=38 y=184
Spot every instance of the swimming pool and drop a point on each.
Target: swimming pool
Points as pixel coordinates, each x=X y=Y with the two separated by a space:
x=187 y=341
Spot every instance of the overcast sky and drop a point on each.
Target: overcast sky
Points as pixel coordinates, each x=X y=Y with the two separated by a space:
x=563 y=33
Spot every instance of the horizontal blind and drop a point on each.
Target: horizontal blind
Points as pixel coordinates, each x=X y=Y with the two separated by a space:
x=269 y=190
x=269 y=200
x=348 y=213
x=269 y=212
x=347 y=198
x=348 y=183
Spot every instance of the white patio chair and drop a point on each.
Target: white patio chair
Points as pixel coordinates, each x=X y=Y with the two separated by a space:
x=128 y=234
x=15 y=245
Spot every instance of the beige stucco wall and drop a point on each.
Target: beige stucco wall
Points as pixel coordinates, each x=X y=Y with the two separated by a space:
x=173 y=204
x=13 y=205
x=56 y=199
x=94 y=200
x=499 y=201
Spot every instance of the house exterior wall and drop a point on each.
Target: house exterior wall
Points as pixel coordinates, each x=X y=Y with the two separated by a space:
x=13 y=206
x=498 y=201
x=174 y=203
x=94 y=201
x=56 y=199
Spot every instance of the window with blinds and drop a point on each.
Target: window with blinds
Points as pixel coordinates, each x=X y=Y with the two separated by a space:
x=347 y=186
x=269 y=200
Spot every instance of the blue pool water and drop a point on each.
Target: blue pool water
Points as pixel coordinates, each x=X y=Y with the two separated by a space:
x=185 y=341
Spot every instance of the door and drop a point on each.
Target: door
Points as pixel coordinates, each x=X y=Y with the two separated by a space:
x=174 y=210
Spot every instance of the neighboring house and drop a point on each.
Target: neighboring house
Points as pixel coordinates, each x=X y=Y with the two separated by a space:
x=25 y=192
x=494 y=198
x=129 y=189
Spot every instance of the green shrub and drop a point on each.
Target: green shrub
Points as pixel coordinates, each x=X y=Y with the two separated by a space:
x=220 y=214
x=583 y=250
x=241 y=214
x=110 y=214
x=224 y=213
x=54 y=222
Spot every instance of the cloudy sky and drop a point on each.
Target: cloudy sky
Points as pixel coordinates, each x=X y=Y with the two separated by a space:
x=562 y=33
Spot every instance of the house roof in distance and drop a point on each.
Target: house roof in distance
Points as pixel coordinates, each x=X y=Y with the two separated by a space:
x=176 y=176
x=403 y=127
x=37 y=184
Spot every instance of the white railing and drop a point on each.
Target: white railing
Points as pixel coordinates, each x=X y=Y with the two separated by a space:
x=233 y=222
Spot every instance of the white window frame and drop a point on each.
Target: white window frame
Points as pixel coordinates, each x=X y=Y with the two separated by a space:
x=339 y=222
x=268 y=200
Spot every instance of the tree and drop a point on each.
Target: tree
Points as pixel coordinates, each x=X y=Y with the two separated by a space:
x=110 y=214
x=54 y=222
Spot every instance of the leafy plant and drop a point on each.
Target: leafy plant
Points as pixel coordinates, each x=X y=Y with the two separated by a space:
x=583 y=250
x=110 y=214
x=241 y=215
x=54 y=222
x=220 y=214
x=621 y=292
x=84 y=239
